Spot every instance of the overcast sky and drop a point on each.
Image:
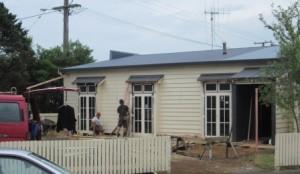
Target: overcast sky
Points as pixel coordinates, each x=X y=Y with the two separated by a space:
x=148 y=26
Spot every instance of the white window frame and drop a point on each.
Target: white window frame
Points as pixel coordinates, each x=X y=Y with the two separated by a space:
x=224 y=90
x=143 y=95
x=211 y=91
x=87 y=130
x=217 y=93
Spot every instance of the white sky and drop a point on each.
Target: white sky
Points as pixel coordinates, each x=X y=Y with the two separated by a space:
x=239 y=27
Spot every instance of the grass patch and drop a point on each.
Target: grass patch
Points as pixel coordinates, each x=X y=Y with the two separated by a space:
x=264 y=161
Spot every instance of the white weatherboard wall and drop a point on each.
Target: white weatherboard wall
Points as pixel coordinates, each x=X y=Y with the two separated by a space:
x=179 y=101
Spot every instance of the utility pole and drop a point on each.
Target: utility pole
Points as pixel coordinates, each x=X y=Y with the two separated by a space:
x=66 y=12
x=66 y=26
x=213 y=13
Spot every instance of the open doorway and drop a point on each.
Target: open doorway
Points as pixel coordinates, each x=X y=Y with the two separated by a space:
x=244 y=116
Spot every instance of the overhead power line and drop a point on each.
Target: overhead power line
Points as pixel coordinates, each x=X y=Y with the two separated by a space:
x=150 y=29
x=36 y=15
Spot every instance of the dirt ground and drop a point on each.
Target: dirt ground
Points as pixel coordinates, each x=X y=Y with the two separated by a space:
x=187 y=162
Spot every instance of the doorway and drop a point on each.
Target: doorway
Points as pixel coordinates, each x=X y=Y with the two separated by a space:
x=244 y=115
x=87 y=111
x=143 y=117
x=218 y=114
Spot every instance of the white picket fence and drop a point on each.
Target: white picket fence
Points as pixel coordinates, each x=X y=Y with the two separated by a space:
x=287 y=149
x=107 y=156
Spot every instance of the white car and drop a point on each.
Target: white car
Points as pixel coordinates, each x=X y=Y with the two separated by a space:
x=13 y=161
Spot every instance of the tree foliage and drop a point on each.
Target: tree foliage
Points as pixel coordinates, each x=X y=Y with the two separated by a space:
x=285 y=90
x=53 y=59
x=48 y=64
x=16 y=54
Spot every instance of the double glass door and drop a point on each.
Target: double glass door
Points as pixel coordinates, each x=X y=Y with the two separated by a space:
x=142 y=122
x=217 y=114
x=87 y=112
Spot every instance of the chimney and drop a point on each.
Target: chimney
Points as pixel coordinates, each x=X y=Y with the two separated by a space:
x=224 y=48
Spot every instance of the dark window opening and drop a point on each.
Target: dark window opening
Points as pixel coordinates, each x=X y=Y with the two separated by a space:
x=211 y=87
x=10 y=112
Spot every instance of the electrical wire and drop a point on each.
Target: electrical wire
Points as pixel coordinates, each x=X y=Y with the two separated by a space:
x=226 y=30
x=150 y=29
x=36 y=15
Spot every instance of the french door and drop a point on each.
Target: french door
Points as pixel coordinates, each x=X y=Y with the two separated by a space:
x=217 y=114
x=142 y=122
x=87 y=112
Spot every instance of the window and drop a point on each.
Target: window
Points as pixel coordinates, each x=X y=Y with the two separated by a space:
x=18 y=166
x=148 y=88
x=224 y=87
x=92 y=88
x=82 y=88
x=137 y=88
x=142 y=88
x=87 y=88
x=211 y=87
x=10 y=112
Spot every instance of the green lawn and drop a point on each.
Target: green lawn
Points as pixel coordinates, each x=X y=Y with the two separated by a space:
x=264 y=161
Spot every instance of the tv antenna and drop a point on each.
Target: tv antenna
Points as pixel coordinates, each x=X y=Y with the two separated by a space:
x=212 y=14
x=264 y=43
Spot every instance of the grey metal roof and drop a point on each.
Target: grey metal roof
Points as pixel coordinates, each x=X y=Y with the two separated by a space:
x=192 y=57
x=248 y=73
x=215 y=77
x=89 y=79
x=144 y=78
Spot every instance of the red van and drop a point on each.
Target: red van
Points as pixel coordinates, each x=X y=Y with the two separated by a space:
x=13 y=118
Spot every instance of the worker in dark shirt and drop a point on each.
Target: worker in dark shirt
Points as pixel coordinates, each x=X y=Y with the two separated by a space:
x=123 y=112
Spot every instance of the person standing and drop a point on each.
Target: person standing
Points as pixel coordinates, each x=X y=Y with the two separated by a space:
x=123 y=112
x=96 y=124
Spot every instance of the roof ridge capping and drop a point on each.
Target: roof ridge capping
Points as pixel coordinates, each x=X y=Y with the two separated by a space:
x=114 y=54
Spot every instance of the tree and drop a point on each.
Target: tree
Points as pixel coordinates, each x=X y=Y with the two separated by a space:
x=285 y=89
x=50 y=60
x=16 y=54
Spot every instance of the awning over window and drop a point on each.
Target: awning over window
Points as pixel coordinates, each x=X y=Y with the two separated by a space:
x=215 y=77
x=144 y=78
x=248 y=73
x=84 y=80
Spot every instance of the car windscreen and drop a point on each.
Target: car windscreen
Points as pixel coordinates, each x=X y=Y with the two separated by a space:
x=10 y=112
x=50 y=163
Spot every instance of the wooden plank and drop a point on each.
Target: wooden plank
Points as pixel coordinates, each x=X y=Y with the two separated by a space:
x=103 y=156
x=109 y=156
x=122 y=155
x=130 y=156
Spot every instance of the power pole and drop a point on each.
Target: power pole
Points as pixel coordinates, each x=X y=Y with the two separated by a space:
x=66 y=26
x=66 y=12
x=213 y=13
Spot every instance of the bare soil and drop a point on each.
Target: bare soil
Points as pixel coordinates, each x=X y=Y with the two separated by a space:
x=188 y=162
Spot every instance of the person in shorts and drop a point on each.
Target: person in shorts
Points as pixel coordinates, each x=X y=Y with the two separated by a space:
x=123 y=112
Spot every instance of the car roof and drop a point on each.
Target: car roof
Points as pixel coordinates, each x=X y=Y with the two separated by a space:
x=11 y=97
x=12 y=151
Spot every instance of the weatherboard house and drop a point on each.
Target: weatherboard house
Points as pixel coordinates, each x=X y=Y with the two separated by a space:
x=199 y=93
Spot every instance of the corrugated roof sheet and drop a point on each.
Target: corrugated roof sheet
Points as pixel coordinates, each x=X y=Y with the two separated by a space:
x=144 y=78
x=215 y=77
x=248 y=73
x=89 y=79
x=192 y=57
